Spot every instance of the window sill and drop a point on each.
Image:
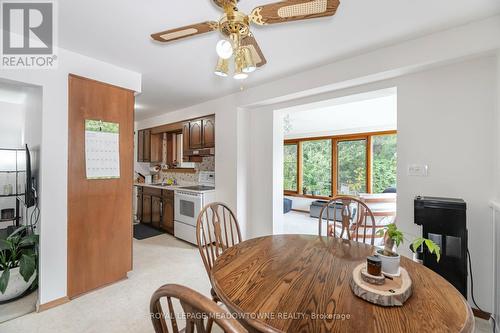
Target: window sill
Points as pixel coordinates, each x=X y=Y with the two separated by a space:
x=307 y=196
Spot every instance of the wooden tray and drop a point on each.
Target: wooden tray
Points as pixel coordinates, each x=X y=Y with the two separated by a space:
x=392 y=293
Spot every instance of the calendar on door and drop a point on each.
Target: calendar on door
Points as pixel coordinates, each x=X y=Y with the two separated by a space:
x=102 y=149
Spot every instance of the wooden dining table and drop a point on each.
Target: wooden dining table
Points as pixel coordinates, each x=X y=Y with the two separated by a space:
x=300 y=283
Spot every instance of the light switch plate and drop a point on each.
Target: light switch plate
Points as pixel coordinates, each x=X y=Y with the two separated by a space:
x=420 y=170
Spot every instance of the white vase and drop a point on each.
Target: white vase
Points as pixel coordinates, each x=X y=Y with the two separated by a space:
x=390 y=264
x=16 y=286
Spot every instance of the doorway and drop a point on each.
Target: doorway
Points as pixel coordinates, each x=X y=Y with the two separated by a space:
x=345 y=146
x=20 y=148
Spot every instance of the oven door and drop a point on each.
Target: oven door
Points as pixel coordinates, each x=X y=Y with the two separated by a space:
x=187 y=207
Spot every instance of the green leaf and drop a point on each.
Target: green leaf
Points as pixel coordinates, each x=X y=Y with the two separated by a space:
x=17 y=231
x=4 y=245
x=417 y=243
x=433 y=248
x=4 y=280
x=29 y=240
x=27 y=266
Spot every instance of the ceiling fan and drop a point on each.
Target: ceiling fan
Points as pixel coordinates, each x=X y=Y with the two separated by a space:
x=239 y=42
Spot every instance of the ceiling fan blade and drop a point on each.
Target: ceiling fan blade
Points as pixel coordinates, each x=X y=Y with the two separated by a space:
x=187 y=31
x=250 y=42
x=293 y=10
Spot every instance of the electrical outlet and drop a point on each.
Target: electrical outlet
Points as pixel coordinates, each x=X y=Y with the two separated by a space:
x=418 y=170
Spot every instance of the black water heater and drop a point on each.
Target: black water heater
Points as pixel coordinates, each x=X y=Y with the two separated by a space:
x=443 y=220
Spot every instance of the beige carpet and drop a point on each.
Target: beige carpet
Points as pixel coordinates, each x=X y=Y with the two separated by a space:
x=124 y=306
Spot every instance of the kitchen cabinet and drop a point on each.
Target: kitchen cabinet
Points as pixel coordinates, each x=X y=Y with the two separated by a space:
x=198 y=138
x=168 y=211
x=146 y=208
x=185 y=140
x=155 y=207
x=138 y=209
x=156 y=148
x=156 y=211
x=208 y=132
x=195 y=134
x=149 y=146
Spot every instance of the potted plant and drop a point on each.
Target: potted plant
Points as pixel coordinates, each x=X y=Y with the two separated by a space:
x=18 y=263
x=393 y=237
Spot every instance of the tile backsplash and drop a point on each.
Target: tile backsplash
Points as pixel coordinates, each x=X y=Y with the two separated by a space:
x=207 y=164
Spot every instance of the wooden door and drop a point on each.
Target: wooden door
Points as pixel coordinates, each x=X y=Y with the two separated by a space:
x=156 y=211
x=195 y=134
x=147 y=146
x=146 y=208
x=99 y=211
x=168 y=212
x=140 y=146
x=209 y=132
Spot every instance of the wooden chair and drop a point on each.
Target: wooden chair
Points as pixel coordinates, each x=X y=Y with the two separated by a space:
x=197 y=308
x=217 y=230
x=348 y=217
x=383 y=207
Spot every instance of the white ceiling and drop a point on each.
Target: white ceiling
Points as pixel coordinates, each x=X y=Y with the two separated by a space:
x=368 y=113
x=179 y=74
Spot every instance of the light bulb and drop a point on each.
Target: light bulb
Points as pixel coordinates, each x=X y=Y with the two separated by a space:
x=224 y=49
x=240 y=76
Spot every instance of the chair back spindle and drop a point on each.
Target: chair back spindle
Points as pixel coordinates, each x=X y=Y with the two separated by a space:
x=352 y=219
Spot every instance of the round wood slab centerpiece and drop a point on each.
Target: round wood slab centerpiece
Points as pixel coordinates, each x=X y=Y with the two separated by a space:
x=392 y=293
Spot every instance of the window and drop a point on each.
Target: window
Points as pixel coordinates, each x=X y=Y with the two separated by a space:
x=290 y=167
x=351 y=167
x=384 y=163
x=317 y=167
x=360 y=163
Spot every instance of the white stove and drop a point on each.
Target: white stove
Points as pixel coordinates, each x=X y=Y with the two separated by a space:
x=189 y=201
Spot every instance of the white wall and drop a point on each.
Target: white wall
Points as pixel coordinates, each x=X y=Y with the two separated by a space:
x=12 y=125
x=54 y=156
x=446 y=120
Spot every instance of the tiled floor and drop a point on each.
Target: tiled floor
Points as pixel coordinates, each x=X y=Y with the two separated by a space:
x=124 y=307
x=297 y=223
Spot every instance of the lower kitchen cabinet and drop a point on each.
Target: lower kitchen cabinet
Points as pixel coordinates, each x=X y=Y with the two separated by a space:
x=146 y=208
x=168 y=211
x=156 y=211
x=155 y=207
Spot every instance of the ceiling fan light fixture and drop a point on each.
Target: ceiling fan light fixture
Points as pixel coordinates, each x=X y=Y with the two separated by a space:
x=222 y=67
x=224 y=49
x=248 y=61
x=239 y=64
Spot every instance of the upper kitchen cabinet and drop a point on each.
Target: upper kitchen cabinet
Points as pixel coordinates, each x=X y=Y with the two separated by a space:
x=196 y=134
x=185 y=139
x=149 y=146
x=200 y=134
x=208 y=132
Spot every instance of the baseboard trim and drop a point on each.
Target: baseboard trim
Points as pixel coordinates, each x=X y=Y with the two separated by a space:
x=481 y=314
x=300 y=210
x=52 y=304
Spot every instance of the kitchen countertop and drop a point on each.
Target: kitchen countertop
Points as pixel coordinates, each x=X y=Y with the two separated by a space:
x=162 y=187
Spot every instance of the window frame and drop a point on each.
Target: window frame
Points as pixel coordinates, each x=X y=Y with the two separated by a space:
x=368 y=136
x=299 y=170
